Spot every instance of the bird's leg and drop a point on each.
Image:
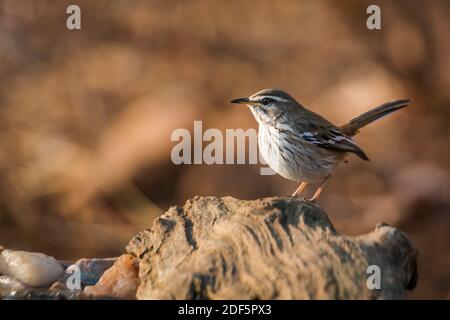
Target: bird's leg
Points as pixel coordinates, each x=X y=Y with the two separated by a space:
x=300 y=188
x=319 y=189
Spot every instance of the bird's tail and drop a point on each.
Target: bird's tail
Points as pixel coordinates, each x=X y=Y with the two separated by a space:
x=351 y=128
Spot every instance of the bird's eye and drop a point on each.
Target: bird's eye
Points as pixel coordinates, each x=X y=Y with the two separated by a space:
x=265 y=101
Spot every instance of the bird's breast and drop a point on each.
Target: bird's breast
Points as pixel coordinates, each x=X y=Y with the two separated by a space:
x=291 y=157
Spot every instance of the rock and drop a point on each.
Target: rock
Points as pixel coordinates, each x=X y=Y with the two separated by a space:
x=93 y=269
x=272 y=248
x=12 y=289
x=9 y=285
x=61 y=288
x=120 y=281
x=32 y=268
x=35 y=295
x=90 y=272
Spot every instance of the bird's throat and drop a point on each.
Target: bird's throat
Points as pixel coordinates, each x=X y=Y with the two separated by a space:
x=262 y=116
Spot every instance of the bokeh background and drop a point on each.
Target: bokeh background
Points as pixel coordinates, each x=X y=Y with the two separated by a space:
x=86 y=116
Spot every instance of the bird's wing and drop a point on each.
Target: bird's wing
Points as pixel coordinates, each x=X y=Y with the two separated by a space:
x=333 y=139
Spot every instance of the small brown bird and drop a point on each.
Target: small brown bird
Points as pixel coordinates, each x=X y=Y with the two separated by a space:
x=301 y=145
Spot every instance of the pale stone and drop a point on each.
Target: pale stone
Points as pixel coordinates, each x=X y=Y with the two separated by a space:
x=32 y=268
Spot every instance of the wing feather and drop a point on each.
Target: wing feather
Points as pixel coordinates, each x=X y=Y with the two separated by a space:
x=333 y=139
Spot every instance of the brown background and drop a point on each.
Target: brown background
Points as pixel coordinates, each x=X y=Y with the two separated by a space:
x=86 y=116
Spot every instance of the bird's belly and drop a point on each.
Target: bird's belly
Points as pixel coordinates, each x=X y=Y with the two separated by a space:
x=299 y=161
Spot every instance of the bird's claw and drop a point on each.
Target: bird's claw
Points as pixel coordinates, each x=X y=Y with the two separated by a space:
x=299 y=198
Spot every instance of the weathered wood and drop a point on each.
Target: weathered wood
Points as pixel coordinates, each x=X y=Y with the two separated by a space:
x=272 y=248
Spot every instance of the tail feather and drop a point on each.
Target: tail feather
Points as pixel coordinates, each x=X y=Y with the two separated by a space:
x=351 y=128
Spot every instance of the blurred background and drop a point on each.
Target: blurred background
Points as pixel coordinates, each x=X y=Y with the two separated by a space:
x=86 y=116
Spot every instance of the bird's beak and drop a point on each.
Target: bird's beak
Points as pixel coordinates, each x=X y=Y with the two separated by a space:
x=241 y=100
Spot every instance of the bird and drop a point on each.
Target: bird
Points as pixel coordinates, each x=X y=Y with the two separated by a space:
x=301 y=145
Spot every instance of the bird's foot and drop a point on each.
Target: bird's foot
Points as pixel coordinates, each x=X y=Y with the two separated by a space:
x=299 y=197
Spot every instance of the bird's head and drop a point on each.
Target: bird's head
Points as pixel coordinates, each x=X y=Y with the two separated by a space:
x=269 y=103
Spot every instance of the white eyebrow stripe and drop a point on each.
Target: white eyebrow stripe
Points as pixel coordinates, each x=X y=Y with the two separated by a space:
x=259 y=98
